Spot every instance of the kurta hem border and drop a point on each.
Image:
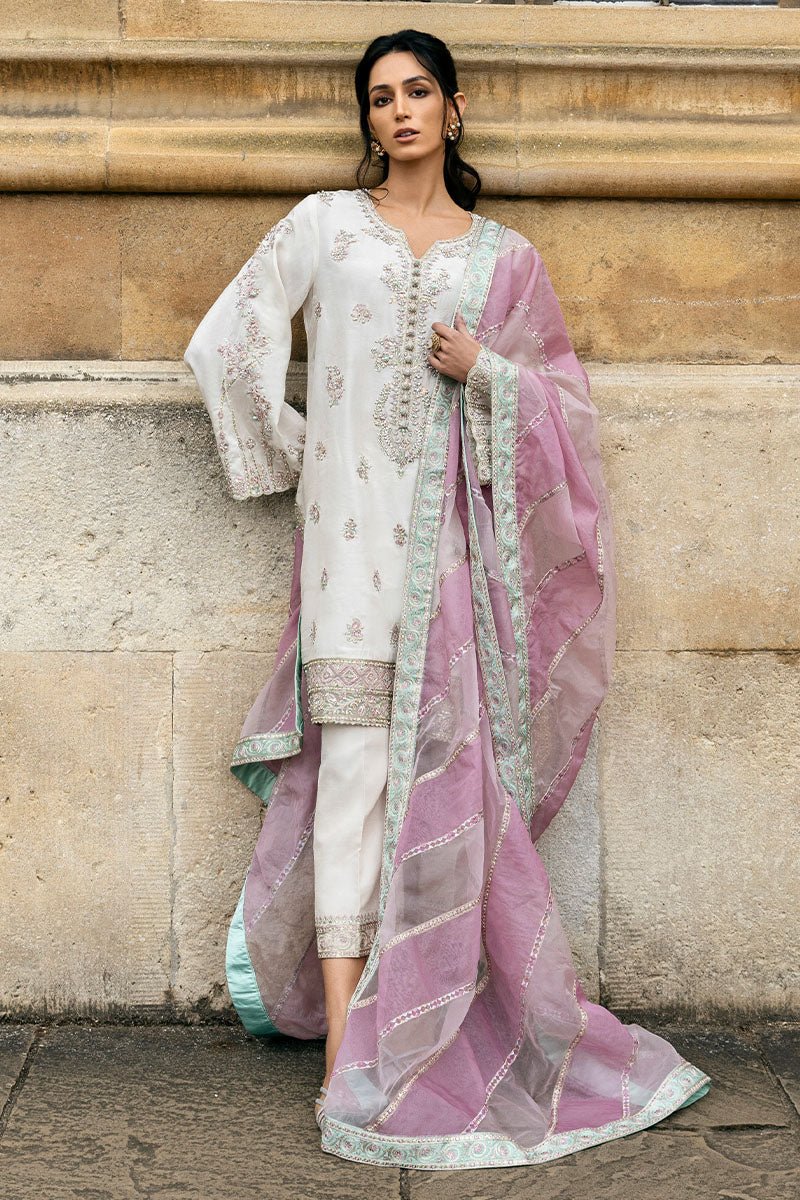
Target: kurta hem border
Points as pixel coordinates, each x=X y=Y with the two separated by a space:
x=458 y=1152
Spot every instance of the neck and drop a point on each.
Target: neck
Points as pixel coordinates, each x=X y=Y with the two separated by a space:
x=417 y=187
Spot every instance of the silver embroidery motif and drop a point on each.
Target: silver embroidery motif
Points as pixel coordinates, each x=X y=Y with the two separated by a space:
x=377 y=583
x=323 y=579
x=334 y=385
x=384 y=353
x=317 y=309
x=349 y=691
x=341 y=244
x=361 y=314
x=320 y=451
x=399 y=534
x=363 y=469
x=313 y=512
x=354 y=631
x=349 y=529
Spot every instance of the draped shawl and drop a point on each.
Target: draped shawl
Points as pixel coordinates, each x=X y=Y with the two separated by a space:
x=469 y=1040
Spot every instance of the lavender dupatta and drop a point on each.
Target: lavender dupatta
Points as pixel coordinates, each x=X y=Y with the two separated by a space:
x=469 y=1040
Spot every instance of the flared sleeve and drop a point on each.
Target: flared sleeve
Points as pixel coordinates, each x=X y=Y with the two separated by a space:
x=240 y=352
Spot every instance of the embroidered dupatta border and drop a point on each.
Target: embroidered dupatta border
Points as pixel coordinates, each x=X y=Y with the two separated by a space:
x=454 y=1152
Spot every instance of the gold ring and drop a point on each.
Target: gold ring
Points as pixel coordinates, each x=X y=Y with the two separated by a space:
x=436 y=342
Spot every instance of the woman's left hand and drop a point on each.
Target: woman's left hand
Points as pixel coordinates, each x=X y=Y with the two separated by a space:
x=458 y=350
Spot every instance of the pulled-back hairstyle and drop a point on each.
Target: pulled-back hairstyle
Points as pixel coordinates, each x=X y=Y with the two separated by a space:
x=461 y=180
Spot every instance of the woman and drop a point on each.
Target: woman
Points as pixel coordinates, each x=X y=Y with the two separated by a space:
x=449 y=642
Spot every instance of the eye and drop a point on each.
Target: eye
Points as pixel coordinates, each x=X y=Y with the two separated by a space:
x=420 y=91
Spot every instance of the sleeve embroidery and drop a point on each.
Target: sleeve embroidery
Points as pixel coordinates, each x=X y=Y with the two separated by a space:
x=240 y=354
x=478 y=406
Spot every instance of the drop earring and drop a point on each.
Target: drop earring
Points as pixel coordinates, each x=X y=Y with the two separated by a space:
x=377 y=147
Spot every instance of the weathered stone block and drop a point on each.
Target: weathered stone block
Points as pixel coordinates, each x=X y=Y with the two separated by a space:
x=59 y=292
x=702 y=466
x=122 y=535
x=217 y=818
x=85 y=837
x=699 y=819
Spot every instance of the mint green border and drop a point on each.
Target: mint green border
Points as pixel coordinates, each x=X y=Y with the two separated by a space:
x=242 y=983
x=461 y=1151
x=505 y=409
x=247 y=763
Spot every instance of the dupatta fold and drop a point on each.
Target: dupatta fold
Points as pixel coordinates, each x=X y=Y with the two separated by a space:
x=469 y=1040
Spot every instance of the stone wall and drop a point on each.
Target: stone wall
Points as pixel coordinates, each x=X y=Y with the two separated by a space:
x=652 y=156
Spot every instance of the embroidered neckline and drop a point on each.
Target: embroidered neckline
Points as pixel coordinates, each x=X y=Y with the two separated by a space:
x=401 y=235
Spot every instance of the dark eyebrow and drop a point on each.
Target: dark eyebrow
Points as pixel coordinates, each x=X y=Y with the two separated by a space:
x=412 y=79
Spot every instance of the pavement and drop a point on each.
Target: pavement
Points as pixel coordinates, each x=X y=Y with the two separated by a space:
x=206 y=1112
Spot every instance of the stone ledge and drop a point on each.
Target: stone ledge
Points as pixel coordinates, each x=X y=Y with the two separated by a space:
x=702 y=108
x=617 y=388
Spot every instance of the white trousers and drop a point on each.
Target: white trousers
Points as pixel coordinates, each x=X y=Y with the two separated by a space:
x=348 y=838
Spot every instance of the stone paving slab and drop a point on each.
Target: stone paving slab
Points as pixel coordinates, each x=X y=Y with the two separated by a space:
x=175 y=1113
x=15 y=1042
x=746 y=1165
x=781 y=1048
x=742 y=1090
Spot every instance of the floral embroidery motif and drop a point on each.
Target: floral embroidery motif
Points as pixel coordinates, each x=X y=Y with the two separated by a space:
x=394 y=275
x=394 y=636
x=361 y=314
x=312 y=631
x=354 y=631
x=323 y=579
x=326 y=197
x=376 y=580
x=349 y=691
x=399 y=534
x=349 y=529
x=384 y=353
x=317 y=309
x=334 y=385
x=341 y=244
x=320 y=450
x=363 y=469
x=313 y=512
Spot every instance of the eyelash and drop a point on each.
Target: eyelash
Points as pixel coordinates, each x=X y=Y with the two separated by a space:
x=377 y=104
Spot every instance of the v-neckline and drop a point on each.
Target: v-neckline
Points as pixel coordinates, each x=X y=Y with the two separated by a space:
x=401 y=234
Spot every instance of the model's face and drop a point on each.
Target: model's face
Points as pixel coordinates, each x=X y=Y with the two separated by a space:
x=403 y=95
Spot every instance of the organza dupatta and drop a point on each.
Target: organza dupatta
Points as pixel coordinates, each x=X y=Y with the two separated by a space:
x=469 y=1040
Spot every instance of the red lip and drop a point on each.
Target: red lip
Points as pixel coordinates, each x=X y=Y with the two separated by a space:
x=407 y=129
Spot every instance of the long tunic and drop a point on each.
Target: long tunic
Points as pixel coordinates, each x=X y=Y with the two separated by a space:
x=368 y=305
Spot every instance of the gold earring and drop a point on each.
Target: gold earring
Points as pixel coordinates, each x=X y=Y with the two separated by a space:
x=452 y=130
x=377 y=147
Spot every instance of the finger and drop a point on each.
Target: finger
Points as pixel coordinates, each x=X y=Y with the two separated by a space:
x=444 y=331
x=459 y=322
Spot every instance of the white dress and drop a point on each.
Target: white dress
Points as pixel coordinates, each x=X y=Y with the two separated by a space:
x=368 y=306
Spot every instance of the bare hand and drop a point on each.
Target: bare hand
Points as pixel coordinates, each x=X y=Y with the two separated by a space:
x=458 y=350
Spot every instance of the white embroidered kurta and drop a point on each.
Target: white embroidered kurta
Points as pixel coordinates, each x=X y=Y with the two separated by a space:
x=368 y=304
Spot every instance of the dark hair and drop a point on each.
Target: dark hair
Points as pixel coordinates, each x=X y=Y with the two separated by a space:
x=461 y=180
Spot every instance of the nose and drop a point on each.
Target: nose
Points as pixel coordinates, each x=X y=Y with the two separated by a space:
x=400 y=107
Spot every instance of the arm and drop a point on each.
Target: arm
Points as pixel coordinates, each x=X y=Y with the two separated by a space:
x=239 y=355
